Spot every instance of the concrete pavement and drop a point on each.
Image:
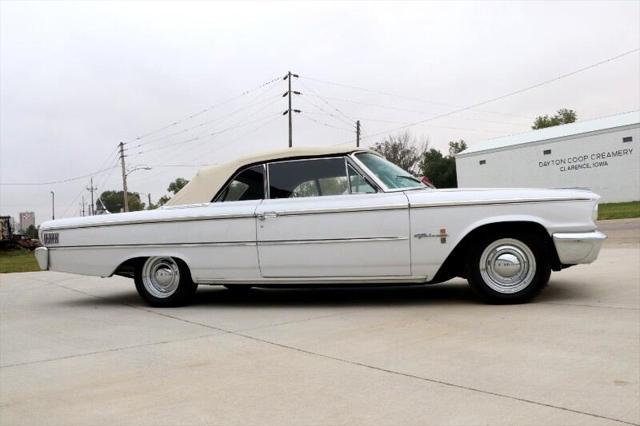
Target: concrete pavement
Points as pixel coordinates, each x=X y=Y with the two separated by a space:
x=86 y=351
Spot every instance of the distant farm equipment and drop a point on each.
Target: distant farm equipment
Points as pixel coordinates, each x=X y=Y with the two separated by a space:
x=11 y=240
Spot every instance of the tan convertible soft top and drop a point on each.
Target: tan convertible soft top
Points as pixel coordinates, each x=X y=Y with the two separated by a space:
x=209 y=180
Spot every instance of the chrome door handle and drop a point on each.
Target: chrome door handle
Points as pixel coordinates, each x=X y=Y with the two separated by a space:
x=267 y=215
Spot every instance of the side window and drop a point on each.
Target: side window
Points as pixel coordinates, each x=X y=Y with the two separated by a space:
x=308 y=178
x=359 y=184
x=247 y=185
x=326 y=186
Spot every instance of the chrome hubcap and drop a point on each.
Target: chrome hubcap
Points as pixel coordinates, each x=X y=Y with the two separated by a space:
x=507 y=266
x=161 y=276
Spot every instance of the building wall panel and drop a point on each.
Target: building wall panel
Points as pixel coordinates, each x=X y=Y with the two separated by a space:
x=602 y=162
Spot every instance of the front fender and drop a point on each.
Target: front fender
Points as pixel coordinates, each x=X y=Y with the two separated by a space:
x=505 y=218
x=459 y=221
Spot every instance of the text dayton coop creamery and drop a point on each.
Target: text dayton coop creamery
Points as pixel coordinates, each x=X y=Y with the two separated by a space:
x=585 y=161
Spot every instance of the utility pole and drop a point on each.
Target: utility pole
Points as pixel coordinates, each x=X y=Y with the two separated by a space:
x=124 y=177
x=289 y=110
x=53 y=205
x=149 y=206
x=83 y=205
x=358 y=133
x=92 y=188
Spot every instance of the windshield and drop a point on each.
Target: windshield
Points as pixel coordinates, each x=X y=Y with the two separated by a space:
x=390 y=174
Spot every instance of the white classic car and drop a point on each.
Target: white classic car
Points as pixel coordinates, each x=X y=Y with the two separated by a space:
x=311 y=216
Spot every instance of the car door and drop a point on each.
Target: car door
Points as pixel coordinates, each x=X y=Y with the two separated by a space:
x=324 y=219
x=230 y=233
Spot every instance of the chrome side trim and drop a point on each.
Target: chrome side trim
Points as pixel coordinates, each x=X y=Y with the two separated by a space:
x=341 y=210
x=317 y=280
x=320 y=211
x=160 y=245
x=329 y=241
x=492 y=202
x=267 y=183
x=149 y=222
x=346 y=174
x=232 y=243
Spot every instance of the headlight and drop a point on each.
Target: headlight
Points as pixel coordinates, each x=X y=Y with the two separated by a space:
x=594 y=214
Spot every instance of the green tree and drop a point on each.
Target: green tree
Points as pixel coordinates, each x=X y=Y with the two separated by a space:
x=177 y=185
x=113 y=201
x=163 y=200
x=563 y=116
x=31 y=232
x=174 y=188
x=441 y=169
x=403 y=149
x=457 y=147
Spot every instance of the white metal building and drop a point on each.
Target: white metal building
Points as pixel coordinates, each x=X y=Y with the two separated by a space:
x=602 y=155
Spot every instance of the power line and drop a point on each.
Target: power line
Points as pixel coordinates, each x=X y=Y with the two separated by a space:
x=208 y=136
x=217 y=119
x=55 y=182
x=220 y=146
x=265 y=122
x=113 y=166
x=191 y=116
x=431 y=125
x=383 y=120
x=106 y=176
x=255 y=129
x=319 y=108
x=410 y=98
x=202 y=136
x=349 y=119
x=177 y=165
x=414 y=110
x=74 y=201
x=513 y=93
x=322 y=123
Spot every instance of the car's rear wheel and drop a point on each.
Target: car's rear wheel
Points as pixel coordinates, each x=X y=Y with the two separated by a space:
x=508 y=268
x=164 y=282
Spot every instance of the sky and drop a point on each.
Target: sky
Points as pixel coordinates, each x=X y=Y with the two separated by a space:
x=185 y=84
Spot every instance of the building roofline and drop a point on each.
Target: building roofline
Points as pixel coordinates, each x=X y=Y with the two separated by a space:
x=629 y=119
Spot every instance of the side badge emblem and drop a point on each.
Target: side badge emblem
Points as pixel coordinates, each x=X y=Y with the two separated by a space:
x=442 y=235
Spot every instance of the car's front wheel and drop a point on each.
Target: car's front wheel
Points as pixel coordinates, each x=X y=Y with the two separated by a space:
x=164 y=282
x=508 y=268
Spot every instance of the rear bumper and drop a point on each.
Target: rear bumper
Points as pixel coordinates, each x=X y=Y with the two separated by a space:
x=42 y=256
x=576 y=248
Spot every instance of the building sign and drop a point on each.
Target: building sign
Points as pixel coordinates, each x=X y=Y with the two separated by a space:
x=590 y=160
x=49 y=238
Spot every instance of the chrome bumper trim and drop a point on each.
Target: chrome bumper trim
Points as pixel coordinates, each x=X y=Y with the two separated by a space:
x=42 y=256
x=575 y=248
